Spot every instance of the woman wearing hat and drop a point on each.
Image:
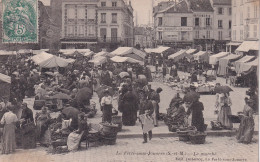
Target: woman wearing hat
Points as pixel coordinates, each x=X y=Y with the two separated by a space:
x=9 y=120
x=106 y=107
x=246 y=127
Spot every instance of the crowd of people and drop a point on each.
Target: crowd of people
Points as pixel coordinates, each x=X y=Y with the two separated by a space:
x=80 y=80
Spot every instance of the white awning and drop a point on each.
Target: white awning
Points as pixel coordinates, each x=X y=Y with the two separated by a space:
x=248 y=45
x=233 y=44
x=125 y=59
x=98 y=60
x=190 y=51
x=178 y=55
x=241 y=61
x=160 y=49
x=215 y=58
x=248 y=65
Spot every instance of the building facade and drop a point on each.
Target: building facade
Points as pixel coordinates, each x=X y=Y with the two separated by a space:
x=174 y=25
x=222 y=23
x=96 y=23
x=245 y=21
x=143 y=37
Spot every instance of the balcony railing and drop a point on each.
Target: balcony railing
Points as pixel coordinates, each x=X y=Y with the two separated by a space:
x=109 y=39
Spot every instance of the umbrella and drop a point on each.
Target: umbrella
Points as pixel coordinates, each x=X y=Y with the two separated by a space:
x=70 y=112
x=83 y=95
x=100 y=91
x=223 y=89
x=123 y=74
x=61 y=96
x=191 y=97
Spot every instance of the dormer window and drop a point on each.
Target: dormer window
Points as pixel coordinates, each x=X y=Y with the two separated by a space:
x=103 y=4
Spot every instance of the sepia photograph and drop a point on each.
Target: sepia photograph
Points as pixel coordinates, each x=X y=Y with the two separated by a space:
x=129 y=80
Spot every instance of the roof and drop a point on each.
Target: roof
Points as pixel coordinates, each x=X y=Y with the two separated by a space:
x=190 y=51
x=230 y=57
x=159 y=49
x=181 y=7
x=221 y=2
x=102 y=53
x=178 y=55
x=98 y=60
x=201 y=5
x=5 y=78
x=239 y=63
x=215 y=58
x=125 y=59
x=248 y=65
x=122 y=51
x=248 y=45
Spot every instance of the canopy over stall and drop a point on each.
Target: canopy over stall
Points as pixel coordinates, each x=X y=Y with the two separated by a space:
x=36 y=52
x=239 y=62
x=160 y=49
x=7 y=53
x=202 y=56
x=47 y=60
x=70 y=52
x=178 y=55
x=128 y=52
x=248 y=45
x=5 y=85
x=223 y=63
x=215 y=58
x=25 y=51
x=102 y=53
x=248 y=65
x=125 y=59
x=89 y=54
x=191 y=51
x=98 y=60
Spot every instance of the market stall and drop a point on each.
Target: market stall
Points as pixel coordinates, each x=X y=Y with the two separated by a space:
x=223 y=63
x=102 y=53
x=201 y=56
x=129 y=52
x=241 y=61
x=98 y=60
x=248 y=65
x=5 y=85
x=159 y=49
x=178 y=55
x=36 y=52
x=191 y=51
x=71 y=52
x=248 y=45
x=215 y=58
x=46 y=60
x=119 y=59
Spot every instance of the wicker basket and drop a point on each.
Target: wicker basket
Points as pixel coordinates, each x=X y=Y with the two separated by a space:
x=198 y=139
x=109 y=128
x=116 y=119
x=183 y=135
x=108 y=140
x=172 y=128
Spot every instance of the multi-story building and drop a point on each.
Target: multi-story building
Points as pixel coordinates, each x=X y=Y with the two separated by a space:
x=96 y=22
x=143 y=37
x=245 y=21
x=222 y=23
x=202 y=23
x=174 y=25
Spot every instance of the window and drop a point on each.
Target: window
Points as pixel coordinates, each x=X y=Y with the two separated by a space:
x=255 y=11
x=160 y=35
x=230 y=11
x=220 y=24
x=220 y=11
x=249 y=31
x=103 y=17
x=159 y=21
x=81 y=13
x=197 y=34
x=114 y=17
x=184 y=35
x=71 y=13
x=103 y=4
x=91 y=30
x=219 y=35
x=229 y=34
x=229 y=24
x=248 y=12
x=71 y=30
x=235 y=20
x=81 y=30
x=183 y=21
x=208 y=34
x=207 y=21
x=241 y=18
x=114 y=34
x=255 y=31
x=114 y=4
x=103 y=34
x=197 y=21
x=241 y=34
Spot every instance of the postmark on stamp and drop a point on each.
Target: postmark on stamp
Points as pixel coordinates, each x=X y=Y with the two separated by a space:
x=20 y=21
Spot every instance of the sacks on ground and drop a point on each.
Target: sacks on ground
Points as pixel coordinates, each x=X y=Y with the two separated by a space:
x=74 y=140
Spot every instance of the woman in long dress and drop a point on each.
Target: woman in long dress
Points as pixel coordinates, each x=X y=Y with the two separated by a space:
x=106 y=104
x=225 y=110
x=9 y=121
x=43 y=133
x=246 y=127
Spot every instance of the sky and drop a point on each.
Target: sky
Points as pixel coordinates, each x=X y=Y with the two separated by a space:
x=141 y=9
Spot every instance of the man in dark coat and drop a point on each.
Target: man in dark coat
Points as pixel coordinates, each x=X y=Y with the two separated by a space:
x=27 y=114
x=195 y=108
x=145 y=107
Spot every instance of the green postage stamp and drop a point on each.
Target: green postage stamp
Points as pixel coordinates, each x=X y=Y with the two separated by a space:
x=20 y=21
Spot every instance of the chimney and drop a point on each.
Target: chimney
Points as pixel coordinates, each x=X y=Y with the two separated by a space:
x=188 y=4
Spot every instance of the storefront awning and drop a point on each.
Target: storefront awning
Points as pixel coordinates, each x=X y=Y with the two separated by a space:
x=248 y=45
x=233 y=44
x=215 y=58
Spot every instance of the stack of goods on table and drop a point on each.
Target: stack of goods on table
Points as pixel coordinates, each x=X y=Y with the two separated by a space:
x=191 y=134
x=108 y=133
x=204 y=87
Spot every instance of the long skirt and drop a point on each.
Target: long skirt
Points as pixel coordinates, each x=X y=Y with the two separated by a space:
x=107 y=113
x=223 y=117
x=155 y=113
x=246 y=130
x=73 y=141
x=8 y=139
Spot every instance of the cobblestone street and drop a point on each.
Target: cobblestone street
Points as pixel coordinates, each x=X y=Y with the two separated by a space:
x=157 y=150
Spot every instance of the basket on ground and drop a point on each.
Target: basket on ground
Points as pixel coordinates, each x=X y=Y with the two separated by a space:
x=183 y=135
x=109 y=128
x=197 y=137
